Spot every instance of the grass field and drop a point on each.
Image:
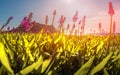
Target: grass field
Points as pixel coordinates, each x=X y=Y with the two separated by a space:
x=59 y=54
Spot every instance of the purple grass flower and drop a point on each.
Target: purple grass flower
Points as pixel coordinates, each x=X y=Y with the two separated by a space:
x=8 y=28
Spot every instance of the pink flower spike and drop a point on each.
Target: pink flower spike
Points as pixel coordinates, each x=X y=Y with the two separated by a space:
x=99 y=26
x=79 y=22
x=75 y=17
x=61 y=20
x=111 y=10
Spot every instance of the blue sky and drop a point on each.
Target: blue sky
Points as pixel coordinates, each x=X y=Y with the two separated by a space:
x=95 y=10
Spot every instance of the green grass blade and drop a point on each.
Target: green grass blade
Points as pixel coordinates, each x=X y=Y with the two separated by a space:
x=45 y=64
x=105 y=71
x=85 y=68
x=115 y=59
x=50 y=64
x=101 y=65
x=2 y=70
x=28 y=69
x=32 y=67
x=39 y=62
x=101 y=44
x=9 y=49
x=52 y=72
x=4 y=59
